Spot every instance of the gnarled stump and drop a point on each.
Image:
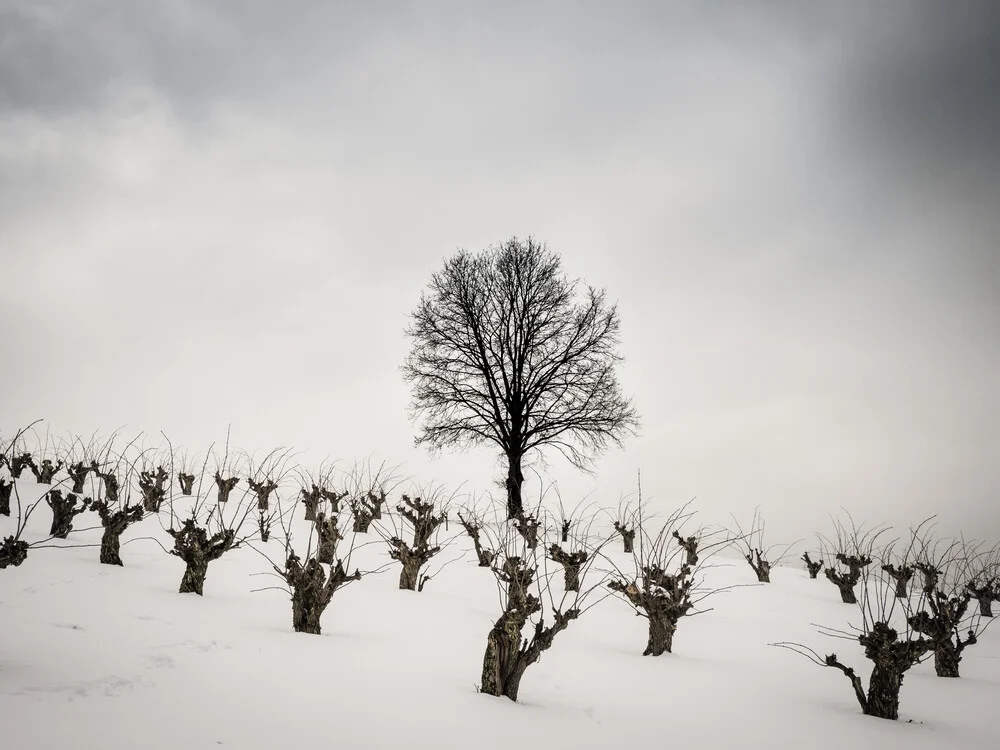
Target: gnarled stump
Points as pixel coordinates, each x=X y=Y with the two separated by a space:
x=64 y=510
x=186 y=481
x=571 y=562
x=329 y=535
x=115 y=523
x=312 y=590
x=13 y=552
x=761 y=567
x=484 y=556
x=197 y=549
x=628 y=536
x=813 y=566
x=225 y=486
x=263 y=492
x=5 y=489
x=78 y=473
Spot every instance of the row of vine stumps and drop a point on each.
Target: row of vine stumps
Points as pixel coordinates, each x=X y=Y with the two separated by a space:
x=551 y=564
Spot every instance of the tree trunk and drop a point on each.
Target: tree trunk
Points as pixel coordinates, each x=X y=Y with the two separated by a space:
x=515 y=478
x=847 y=595
x=902 y=588
x=883 y=693
x=985 y=606
x=409 y=574
x=111 y=545
x=5 y=490
x=484 y=556
x=763 y=574
x=193 y=581
x=306 y=615
x=946 y=659
x=572 y=577
x=661 y=635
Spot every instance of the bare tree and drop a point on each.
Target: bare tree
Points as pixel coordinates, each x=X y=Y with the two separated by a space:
x=889 y=641
x=853 y=548
x=945 y=618
x=760 y=556
x=64 y=509
x=984 y=581
x=474 y=523
x=419 y=515
x=663 y=585
x=207 y=532
x=502 y=352
x=524 y=586
x=116 y=471
x=310 y=583
x=813 y=566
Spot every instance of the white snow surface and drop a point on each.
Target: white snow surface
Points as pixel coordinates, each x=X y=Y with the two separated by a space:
x=96 y=656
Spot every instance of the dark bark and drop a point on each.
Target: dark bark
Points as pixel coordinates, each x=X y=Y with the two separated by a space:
x=844 y=583
x=985 y=594
x=186 y=482
x=947 y=659
x=46 y=471
x=310 y=500
x=930 y=574
x=225 y=486
x=628 y=536
x=362 y=517
x=813 y=566
x=421 y=518
x=413 y=558
x=13 y=552
x=328 y=535
x=111 y=485
x=755 y=557
x=264 y=527
x=508 y=656
x=661 y=635
x=663 y=600
x=940 y=623
x=571 y=562
x=154 y=491
x=78 y=473
x=375 y=504
x=5 y=491
x=515 y=478
x=901 y=576
x=985 y=606
x=891 y=658
x=312 y=590
x=115 y=523
x=197 y=549
x=690 y=547
x=483 y=555
x=263 y=492
x=19 y=463
x=64 y=510
x=527 y=527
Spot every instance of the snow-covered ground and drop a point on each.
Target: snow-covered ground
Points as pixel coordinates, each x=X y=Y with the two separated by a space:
x=95 y=656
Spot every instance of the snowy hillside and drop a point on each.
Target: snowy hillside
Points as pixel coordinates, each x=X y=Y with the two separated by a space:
x=101 y=656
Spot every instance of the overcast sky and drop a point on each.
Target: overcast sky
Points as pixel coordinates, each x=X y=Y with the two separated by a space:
x=223 y=212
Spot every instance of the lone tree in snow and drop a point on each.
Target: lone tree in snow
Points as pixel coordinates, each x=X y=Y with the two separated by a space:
x=504 y=352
